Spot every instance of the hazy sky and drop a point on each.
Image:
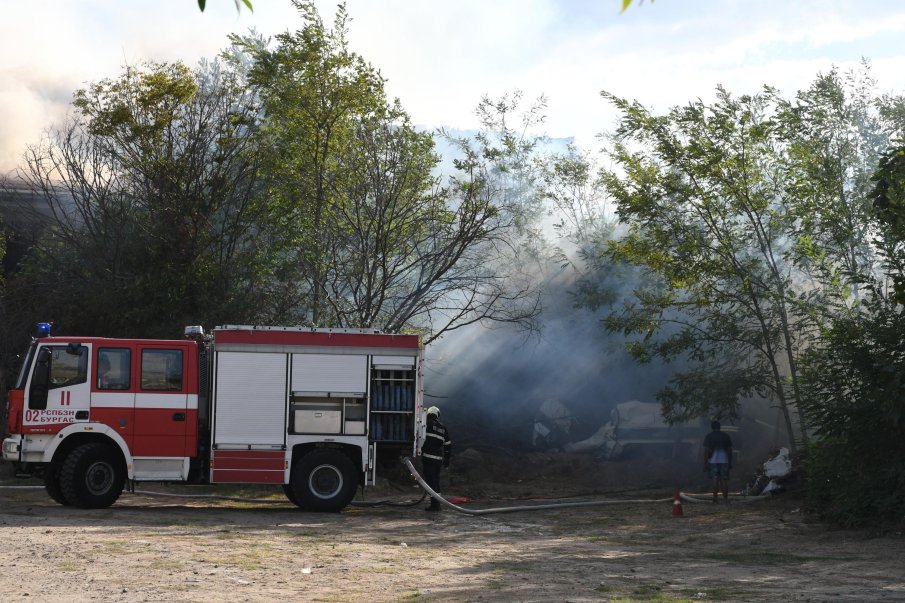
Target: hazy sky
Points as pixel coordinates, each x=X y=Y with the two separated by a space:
x=440 y=57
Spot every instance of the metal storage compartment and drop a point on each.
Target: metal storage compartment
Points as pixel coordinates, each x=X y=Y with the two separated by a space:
x=335 y=374
x=250 y=400
x=318 y=421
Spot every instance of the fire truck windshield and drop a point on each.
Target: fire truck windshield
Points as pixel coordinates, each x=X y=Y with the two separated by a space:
x=26 y=364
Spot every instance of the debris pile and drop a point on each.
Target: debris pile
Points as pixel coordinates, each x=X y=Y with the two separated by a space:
x=775 y=472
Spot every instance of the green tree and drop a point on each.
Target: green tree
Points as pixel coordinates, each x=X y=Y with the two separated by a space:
x=313 y=92
x=853 y=386
x=150 y=190
x=853 y=378
x=889 y=204
x=833 y=135
x=753 y=218
x=706 y=220
x=202 y=4
x=369 y=236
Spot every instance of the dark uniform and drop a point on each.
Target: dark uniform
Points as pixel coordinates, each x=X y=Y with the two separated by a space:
x=435 y=453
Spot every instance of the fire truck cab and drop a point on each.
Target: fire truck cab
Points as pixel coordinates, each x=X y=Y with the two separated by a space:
x=309 y=409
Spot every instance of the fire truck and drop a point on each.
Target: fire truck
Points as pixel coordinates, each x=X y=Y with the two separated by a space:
x=309 y=409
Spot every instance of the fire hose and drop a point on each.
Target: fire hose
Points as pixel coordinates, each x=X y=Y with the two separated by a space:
x=702 y=498
x=563 y=505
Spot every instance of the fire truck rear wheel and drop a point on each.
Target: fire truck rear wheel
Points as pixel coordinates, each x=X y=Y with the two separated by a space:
x=290 y=494
x=52 y=484
x=92 y=476
x=324 y=480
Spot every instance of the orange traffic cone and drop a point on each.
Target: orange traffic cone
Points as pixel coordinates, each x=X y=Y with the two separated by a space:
x=677 y=505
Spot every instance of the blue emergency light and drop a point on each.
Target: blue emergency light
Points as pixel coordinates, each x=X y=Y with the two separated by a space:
x=42 y=329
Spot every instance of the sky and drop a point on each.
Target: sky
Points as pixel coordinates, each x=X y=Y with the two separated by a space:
x=440 y=57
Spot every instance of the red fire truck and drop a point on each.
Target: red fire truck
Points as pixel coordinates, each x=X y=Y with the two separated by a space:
x=309 y=409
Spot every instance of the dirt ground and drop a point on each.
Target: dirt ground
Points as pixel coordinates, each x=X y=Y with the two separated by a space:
x=163 y=548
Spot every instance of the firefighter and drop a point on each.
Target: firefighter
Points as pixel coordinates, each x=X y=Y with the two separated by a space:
x=434 y=453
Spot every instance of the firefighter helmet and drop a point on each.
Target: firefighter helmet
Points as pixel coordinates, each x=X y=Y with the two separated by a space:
x=433 y=410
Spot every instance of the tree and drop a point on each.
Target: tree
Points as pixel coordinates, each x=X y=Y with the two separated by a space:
x=203 y=3
x=572 y=186
x=705 y=215
x=853 y=379
x=313 y=89
x=853 y=397
x=833 y=137
x=625 y=4
x=754 y=218
x=150 y=190
x=369 y=236
x=889 y=205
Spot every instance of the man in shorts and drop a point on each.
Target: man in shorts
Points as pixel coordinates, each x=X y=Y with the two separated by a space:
x=718 y=459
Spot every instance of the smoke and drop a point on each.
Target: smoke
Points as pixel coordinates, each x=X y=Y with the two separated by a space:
x=31 y=105
x=490 y=382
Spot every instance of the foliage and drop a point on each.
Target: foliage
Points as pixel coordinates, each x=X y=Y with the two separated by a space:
x=625 y=4
x=854 y=381
x=889 y=204
x=853 y=375
x=854 y=395
x=149 y=187
x=699 y=196
x=313 y=92
x=570 y=183
x=508 y=148
x=833 y=136
x=284 y=188
x=369 y=237
x=203 y=3
x=752 y=219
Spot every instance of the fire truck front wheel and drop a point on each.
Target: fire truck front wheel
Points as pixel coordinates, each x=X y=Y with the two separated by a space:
x=92 y=476
x=324 y=480
x=52 y=484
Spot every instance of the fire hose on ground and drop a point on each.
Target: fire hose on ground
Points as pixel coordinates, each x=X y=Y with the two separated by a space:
x=702 y=498
x=562 y=505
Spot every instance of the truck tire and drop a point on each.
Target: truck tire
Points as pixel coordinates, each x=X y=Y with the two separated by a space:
x=52 y=484
x=290 y=494
x=324 y=480
x=92 y=476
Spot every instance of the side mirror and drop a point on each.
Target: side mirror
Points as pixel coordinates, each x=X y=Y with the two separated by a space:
x=40 y=380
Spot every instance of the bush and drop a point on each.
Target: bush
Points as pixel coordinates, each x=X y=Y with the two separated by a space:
x=854 y=387
x=851 y=491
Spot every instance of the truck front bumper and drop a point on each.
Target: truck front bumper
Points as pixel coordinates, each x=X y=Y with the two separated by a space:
x=11 y=447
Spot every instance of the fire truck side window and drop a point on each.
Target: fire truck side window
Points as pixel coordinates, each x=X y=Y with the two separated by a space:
x=68 y=365
x=114 y=368
x=161 y=370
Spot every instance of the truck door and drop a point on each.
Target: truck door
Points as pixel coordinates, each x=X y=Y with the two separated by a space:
x=113 y=390
x=58 y=392
x=161 y=403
